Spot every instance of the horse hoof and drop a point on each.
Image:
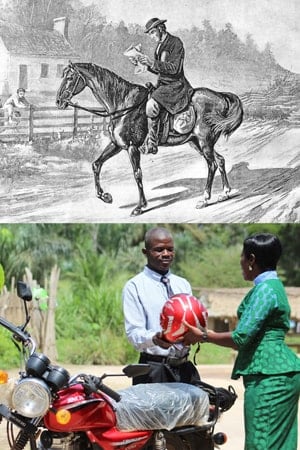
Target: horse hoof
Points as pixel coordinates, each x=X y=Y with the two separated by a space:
x=136 y=212
x=223 y=197
x=105 y=197
x=201 y=204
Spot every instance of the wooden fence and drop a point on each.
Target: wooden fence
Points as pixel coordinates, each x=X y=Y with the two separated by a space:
x=49 y=122
x=42 y=322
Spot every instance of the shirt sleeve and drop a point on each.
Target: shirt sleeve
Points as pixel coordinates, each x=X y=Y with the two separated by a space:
x=23 y=103
x=259 y=307
x=135 y=321
x=9 y=101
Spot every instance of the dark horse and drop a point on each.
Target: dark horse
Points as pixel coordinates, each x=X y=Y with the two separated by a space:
x=216 y=113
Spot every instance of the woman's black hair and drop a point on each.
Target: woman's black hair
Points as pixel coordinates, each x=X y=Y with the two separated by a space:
x=266 y=248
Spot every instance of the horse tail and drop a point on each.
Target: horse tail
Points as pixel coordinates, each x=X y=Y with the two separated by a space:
x=228 y=118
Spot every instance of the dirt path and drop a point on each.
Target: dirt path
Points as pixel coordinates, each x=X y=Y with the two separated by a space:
x=263 y=163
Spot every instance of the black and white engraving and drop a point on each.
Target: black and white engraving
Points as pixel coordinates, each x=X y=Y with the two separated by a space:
x=198 y=124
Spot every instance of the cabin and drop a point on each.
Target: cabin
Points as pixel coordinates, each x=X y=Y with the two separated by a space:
x=34 y=58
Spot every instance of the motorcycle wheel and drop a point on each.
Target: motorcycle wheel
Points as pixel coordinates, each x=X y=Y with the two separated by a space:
x=177 y=443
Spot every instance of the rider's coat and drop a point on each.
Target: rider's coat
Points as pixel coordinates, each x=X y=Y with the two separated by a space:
x=173 y=90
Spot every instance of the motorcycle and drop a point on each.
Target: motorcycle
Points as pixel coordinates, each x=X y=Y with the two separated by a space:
x=47 y=409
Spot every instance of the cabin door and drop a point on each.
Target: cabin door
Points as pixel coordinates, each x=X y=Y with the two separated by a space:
x=23 y=76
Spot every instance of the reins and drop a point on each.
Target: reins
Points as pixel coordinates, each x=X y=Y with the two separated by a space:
x=113 y=115
x=102 y=112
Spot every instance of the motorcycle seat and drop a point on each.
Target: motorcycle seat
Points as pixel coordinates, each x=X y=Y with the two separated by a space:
x=161 y=406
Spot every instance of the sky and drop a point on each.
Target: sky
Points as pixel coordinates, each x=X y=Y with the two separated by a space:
x=273 y=21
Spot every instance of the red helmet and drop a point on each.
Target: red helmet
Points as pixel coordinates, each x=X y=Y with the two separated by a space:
x=179 y=308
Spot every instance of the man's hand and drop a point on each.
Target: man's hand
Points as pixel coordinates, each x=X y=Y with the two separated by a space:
x=133 y=60
x=145 y=60
x=158 y=340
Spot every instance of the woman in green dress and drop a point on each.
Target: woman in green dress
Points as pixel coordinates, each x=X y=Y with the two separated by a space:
x=270 y=370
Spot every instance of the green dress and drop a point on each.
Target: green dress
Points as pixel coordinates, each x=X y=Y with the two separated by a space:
x=270 y=369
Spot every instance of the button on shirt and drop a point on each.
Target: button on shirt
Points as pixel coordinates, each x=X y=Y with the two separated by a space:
x=143 y=298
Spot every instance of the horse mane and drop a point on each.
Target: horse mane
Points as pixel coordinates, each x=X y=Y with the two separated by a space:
x=115 y=87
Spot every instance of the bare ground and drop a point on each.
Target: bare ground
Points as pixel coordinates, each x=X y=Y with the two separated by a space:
x=263 y=165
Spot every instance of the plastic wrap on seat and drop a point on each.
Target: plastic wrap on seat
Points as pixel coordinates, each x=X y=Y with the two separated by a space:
x=161 y=405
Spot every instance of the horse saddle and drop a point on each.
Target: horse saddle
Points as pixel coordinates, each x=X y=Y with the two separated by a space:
x=180 y=123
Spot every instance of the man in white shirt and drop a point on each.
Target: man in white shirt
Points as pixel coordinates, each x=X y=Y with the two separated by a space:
x=143 y=298
x=13 y=104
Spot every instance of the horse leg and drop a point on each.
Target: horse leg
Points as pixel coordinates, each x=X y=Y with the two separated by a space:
x=110 y=150
x=135 y=159
x=225 y=183
x=207 y=151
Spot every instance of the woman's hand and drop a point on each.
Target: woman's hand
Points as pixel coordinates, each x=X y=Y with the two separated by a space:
x=194 y=335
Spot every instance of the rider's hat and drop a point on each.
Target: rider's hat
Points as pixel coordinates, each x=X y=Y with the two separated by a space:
x=152 y=23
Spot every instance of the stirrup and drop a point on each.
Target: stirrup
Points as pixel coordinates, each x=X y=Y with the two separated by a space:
x=145 y=149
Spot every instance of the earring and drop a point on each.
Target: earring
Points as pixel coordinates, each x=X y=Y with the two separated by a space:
x=250 y=268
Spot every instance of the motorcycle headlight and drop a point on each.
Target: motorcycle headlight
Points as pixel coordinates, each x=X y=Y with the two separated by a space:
x=31 y=397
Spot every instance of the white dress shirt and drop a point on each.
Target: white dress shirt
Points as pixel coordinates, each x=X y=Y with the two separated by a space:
x=143 y=298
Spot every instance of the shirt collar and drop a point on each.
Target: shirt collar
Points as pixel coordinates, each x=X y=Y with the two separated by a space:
x=154 y=275
x=268 y=275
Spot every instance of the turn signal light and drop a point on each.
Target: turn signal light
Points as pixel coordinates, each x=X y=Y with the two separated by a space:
x=63 y=416
x=3 y=377
x=220 y=438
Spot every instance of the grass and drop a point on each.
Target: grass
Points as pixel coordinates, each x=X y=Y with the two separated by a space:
x=213 y=354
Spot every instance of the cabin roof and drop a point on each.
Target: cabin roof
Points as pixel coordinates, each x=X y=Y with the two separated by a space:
x=223 y=303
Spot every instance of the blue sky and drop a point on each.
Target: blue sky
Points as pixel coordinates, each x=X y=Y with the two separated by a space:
x=274 y=21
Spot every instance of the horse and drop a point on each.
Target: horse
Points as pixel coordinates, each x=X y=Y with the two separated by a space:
x=216 y=114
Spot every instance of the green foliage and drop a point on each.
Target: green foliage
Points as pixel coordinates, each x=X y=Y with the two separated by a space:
x=213 y=354
x=9 y=355
x=91 y=302
x=97 y=259
x=215 y=267
x=2 y=277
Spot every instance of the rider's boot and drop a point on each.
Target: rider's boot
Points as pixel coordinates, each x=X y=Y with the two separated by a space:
x=150 y=144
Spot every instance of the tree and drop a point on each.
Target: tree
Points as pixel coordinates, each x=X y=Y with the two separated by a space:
x=85 y=33
x=268 y=55
x=37 y=13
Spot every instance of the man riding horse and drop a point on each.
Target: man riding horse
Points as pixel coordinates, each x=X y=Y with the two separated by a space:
x=173 y=91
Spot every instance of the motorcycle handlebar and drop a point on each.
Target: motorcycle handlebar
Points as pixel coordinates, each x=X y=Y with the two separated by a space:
x=110 y=392
x=95 y=383
x=22 y=335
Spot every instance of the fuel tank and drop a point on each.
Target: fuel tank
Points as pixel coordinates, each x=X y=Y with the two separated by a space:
x=74 y=410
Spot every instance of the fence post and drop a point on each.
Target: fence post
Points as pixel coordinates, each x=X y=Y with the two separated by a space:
x=75 y=126
x=30 y=134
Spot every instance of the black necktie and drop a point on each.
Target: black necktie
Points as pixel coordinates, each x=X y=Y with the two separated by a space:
x=165 y=280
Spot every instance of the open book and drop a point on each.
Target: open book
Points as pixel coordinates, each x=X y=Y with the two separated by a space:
x=133 y=52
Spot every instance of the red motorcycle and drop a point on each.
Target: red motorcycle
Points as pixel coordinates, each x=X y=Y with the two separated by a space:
x=52 y=411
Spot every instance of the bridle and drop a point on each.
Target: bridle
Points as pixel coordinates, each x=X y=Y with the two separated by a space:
x=99 y=112
x=70 y=92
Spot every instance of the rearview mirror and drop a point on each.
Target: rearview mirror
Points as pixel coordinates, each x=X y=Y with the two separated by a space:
x=133 y=370
x=24 y=291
